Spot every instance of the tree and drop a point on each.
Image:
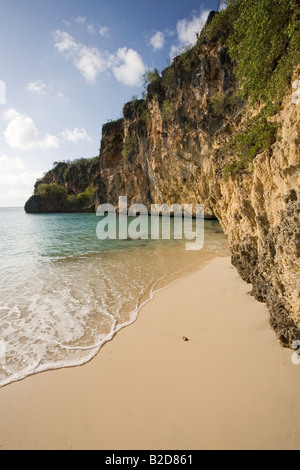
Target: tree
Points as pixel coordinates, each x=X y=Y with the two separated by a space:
x=150 y=76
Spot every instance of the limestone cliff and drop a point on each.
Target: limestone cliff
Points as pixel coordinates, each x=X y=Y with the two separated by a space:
x=174 y=147
x=68 y=187
x=159 y=151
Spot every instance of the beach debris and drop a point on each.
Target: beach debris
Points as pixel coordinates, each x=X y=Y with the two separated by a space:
x=185 y=338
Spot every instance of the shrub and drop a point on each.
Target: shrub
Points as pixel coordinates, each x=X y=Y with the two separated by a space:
x=150 y=77
x=83 y=198
x=224 y=103
x=127 y=147
x=86 y=196
x=187 y=58
x=265 y=43
x=263 y=40
x=168 y=77
x=145 y=116
x=168 y=110
x=52 y=189
x=258 y=135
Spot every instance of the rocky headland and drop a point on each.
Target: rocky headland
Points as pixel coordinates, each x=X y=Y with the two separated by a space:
x=187 y=142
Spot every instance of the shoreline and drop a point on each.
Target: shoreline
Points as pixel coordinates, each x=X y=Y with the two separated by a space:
x=231 y=386
x=162 y=283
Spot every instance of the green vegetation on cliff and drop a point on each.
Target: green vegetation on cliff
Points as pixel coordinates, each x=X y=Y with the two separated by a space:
x=53 y=189
x=51 y=195
x=168 y=110
x=83 y=198
x=150 y=77
x=259 y=39
x=68 y=187
x=263 y=40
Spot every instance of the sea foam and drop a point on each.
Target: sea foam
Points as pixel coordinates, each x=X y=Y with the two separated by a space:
x=61 y=300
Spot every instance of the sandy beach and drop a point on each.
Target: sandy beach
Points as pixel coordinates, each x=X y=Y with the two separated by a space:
x=230 y=386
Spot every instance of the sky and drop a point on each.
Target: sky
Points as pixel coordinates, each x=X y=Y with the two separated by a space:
x=68 y=66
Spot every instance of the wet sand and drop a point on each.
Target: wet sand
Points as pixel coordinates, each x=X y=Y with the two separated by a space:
x=230 y=386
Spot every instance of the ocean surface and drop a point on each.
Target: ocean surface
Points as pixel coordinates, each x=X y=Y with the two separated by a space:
x=64 y=292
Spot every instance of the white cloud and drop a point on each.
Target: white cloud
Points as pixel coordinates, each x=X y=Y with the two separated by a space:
x=76 y=135
x=128 y=66
x=8 y=165
x=88 y=60
x=14 y=171
x=81 y=19
x=174 y=51
x=169 y=32
x=104 y=31
x=37 y=87
x=223 y=5
x=16 y=181
x=21 y=133
x=187 y=32
x=67 y=23
x=187 y=29
x=91 y=29
x=49 y=142
x=157 y=41
x=65 y=43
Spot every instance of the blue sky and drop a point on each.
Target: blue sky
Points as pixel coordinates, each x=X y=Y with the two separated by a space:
x=68 y=66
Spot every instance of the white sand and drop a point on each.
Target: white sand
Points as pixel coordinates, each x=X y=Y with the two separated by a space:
x=231 y=386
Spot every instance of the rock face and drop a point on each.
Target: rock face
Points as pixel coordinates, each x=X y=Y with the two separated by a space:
x=38 y=204
x=69 y=187
x=260 y=213
x=157 y=153
x=172 y=148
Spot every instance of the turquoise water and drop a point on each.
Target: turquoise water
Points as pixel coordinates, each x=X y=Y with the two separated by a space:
x=64 y=293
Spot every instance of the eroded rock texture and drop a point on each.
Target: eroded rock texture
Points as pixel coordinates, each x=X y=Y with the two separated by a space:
x=171 y=148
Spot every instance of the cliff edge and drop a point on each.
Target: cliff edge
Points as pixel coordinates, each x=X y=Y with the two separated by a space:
x=211 y=130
